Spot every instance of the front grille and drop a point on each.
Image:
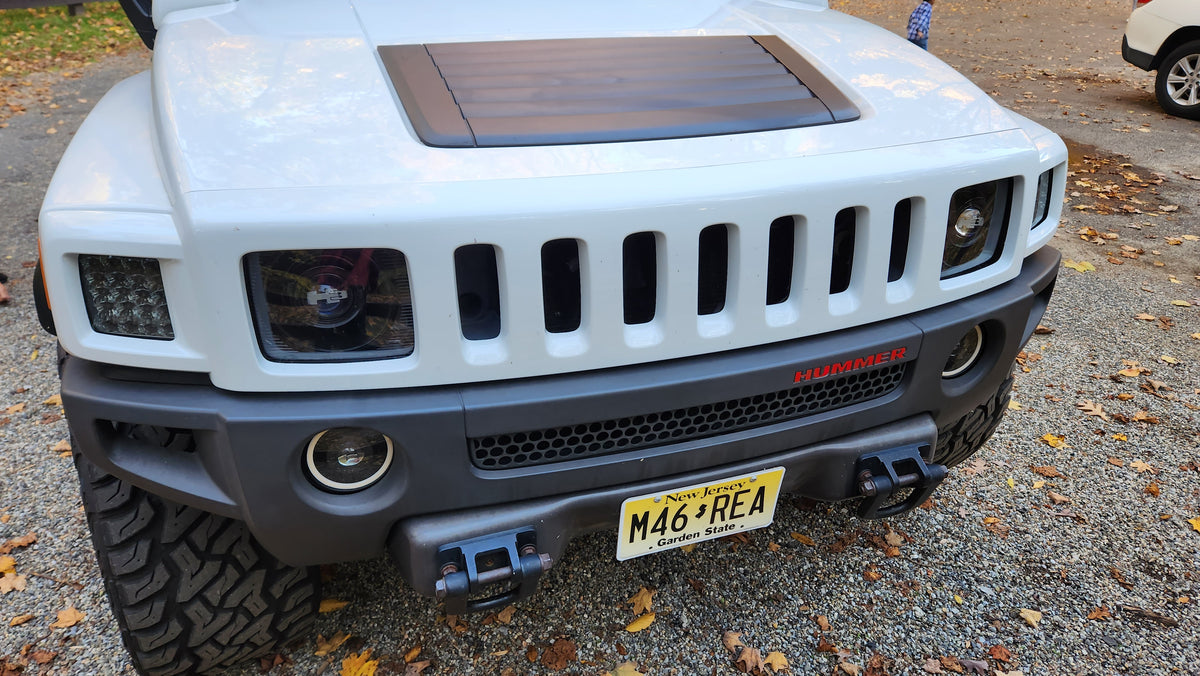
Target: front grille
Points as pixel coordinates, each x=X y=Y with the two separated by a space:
x=617 y=435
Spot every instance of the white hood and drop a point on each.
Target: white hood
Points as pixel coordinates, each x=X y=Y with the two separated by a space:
x=266 y=94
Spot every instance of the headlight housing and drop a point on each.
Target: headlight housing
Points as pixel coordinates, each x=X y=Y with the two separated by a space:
x=975 y=227
x=124 y=296
x=320 y=305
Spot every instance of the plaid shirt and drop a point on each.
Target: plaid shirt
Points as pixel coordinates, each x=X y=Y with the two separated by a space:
x=918 y=23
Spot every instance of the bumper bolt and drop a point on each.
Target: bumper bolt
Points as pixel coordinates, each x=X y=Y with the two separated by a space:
x=866 y=484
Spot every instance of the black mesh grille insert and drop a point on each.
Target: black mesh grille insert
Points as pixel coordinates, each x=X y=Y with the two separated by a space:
x=602 y=437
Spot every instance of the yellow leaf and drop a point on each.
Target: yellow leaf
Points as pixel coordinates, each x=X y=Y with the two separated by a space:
x=55 y=400
x=958 y=599
x=7 y=565
x=331 y=605
x=803 y=539
x=777 y=662
x=1120 y=437
x=33 y=355
x=20 y=619
x=1195 y=523
x=1181 y=303
x=63 y=446
x=1130 y=373
x=640 y=601
x=1011 y=483
x=359 y=664
x=640 y=623
x=1031 y=617
x=415 y=652
x=68 y=618
x=1196 y=335
x=1013 y=405
x=1169 y=360
x=325 y=647
x=15 y=408
x=1054 y=441
x=1039 y=484
x=1080 y=267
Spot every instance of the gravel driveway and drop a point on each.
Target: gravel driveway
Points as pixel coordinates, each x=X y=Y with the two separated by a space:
x=1088 y=527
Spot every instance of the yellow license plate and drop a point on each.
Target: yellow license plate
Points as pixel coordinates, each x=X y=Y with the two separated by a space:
x=652 y=523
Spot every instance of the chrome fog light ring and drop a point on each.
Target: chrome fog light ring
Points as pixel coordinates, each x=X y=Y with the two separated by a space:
x=965 y=353
x=348 y=459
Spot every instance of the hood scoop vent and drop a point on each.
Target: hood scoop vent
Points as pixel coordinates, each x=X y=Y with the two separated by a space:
x=603 y=90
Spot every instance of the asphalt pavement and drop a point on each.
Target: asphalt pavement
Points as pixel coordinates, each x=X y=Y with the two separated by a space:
x=1087 y=569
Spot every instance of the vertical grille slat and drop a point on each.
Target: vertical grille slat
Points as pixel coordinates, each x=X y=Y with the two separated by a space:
x=639 y=264
x=561 y=285
x=478 y=285
x=712 y=270
x=844 y=226
x=901 y=229
x=781 y=254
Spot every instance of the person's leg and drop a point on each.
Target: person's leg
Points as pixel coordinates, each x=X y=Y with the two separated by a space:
x=923 y=43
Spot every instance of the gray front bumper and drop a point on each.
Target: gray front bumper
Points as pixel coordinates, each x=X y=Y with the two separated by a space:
x=245 y=461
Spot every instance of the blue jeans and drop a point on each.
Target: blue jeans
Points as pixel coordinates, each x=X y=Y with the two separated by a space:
x=923 y=43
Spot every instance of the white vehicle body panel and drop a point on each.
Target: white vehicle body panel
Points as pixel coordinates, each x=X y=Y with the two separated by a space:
x=1151 y=24
x=270 y=125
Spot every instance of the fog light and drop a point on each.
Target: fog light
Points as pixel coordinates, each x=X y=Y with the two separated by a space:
x=346 y=459
x=965 y=353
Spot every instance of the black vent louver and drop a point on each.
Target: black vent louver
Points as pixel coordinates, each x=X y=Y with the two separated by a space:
x=553 y=92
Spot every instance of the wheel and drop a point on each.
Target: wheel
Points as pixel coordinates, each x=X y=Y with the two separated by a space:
x=960 y=439
x=191 y=591
x=1177 y=85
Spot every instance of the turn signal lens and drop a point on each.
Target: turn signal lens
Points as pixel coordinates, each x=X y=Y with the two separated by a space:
x=124 y=296
x=1041 y=208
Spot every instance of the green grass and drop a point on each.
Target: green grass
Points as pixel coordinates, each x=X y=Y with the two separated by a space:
x=49 y=39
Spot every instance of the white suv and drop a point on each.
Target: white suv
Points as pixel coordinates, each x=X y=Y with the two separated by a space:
x=1164 y=35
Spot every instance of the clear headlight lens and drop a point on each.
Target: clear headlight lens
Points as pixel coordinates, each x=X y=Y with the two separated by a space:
x=331 y=304
x=975 y=227
x=124 y=296
x=1041 y=208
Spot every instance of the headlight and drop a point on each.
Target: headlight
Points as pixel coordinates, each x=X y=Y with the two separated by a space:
x=975 y=227
x=124 y=296
x=1041 y=208
x=331 y=304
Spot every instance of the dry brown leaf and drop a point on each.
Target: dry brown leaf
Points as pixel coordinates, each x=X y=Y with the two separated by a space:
x=331 y=605
x=11 y=582
x=932 y=666
x=42 y=656
x=1048 y=471
x=416 y=668
x=893 y=538
x=1142 y=467
x=20 y=619
x=18 y=542
x=1146 y=317
x=777 y=662
x=974 y=666
x=1031 y=617
x=15 y=408
x=412 y=654
x=641 y=600
x=732 y=640
x=505 y=616
x=640 y=623
x=560 y=653
x=68 y=618
x=1058 y=499
x=849 y=668
x=999 y=652
x=63 y=446
x=325 y=647
x=359 y=664
x=1101 y=613
x=1090 y=407
x=1116 y=461
x=823 y=623
x=872 y=574
x=803 y=539
x=625 y=669
x=1144 y=416
x=1152 y=489
x=951 y=663
x=749 y=661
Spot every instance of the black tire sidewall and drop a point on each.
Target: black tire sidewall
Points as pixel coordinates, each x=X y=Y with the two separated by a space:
x=1160 y=81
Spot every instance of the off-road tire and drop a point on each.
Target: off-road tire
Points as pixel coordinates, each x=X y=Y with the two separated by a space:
x=960 y=439
x=1185 y=57
x=191 y=591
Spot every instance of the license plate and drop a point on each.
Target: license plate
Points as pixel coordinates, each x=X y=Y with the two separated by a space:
x=658 y=521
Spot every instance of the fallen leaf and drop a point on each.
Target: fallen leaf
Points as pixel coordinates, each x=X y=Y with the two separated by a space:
x=1146 y=317
x=1038 y=484
x=823 y=623
x=325 y=647
x=1144 y=416
x=1013 y=405
x=1169 y=360
x=732 y=640
x=505 y=616
x=1091 y=408
x=54 y=400
x=689 y=548
x=824 y=646
x=560 y=653
x=1152 y=489
x=11 y=582
x=803 y=539
x=872 y=574
x=640 y=601
x=951 y=663
x=777 y=662
x=20 y=619
x=893 y=538
x=1101 y=613
x=1116 y=461
x=1142 y=467
x=749 y=661
x=640 y=623
x=15 y=408
x=416 y=668
x=68 y=618
x=1048 y=471
x=1195 y=524
x=43 y=656
x=1058 y=499
x=413 y=653
x=1054 y=441
x=933 y=666
x=331 y=605
x=849 y=668
x=999 y=652
x=1080 y=267
x=975 y=666
x=18 y=542
x=359 y=664
x=1031 y=617
x=1181 y=303
x=61 y=447
x=625 y=669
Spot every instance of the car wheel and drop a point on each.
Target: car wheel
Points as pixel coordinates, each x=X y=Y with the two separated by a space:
x=1177 y=85
x=191 y=591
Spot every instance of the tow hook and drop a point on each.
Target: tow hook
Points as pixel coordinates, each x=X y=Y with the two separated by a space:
x=881 y=475
x=507 y=562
